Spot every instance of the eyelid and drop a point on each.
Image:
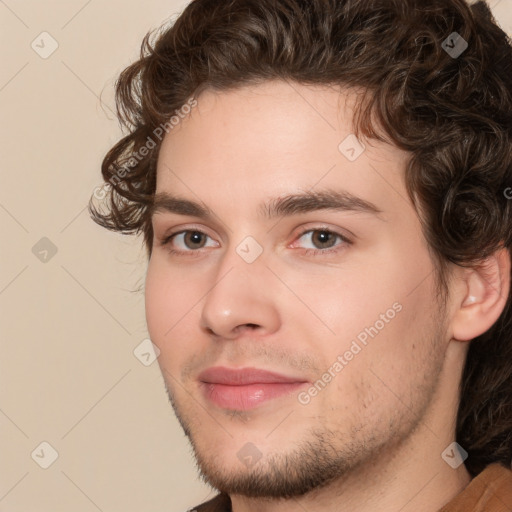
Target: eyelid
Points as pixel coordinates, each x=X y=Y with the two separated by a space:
x=169 y=236
x=176 y=230
x=345 y=240
x=345 y=234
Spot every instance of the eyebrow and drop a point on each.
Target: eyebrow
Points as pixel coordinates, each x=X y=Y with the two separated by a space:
x=294 y=204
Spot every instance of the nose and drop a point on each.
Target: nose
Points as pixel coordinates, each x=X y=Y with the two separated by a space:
x=241 y=299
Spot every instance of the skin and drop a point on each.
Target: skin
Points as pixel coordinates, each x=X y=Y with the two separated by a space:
x=372 y=438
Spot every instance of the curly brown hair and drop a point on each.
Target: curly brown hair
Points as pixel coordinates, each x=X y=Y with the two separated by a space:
x=452 y=112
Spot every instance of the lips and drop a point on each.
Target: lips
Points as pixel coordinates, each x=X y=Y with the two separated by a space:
x=246 y=388
x=234 y=377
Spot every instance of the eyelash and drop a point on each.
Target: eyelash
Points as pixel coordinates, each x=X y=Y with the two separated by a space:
x=308 y=252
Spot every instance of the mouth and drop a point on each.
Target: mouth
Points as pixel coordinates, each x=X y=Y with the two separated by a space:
x=247 y=388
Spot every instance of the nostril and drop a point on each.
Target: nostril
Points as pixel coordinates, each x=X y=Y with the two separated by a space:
x=250 y=327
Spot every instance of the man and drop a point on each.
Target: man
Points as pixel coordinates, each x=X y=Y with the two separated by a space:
x=321 y=185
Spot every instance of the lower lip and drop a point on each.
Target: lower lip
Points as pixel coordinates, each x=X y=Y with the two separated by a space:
x=247 y=396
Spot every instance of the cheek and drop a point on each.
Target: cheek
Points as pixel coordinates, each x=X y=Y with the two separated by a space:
x=381 y=311
x=168 y=304
x=353 y=294
x=154 y=301
x=343 y=303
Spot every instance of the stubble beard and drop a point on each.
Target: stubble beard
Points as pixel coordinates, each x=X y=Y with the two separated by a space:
x=322 y=456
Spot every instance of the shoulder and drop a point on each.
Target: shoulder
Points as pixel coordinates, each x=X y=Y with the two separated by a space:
x=489 y=491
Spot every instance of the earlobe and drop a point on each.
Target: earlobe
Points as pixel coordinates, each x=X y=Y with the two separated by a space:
x=483 y=296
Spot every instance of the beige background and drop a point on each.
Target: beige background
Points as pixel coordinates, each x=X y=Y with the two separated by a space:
x=69 y=325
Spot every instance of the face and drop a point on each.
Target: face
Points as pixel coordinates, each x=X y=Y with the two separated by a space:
x=303 y=257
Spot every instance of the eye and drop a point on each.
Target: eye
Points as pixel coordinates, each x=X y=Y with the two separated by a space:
x=186 y=241
x=323 y=241
x=190 y=242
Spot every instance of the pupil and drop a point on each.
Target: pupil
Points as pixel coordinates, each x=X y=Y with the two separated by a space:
x=323 y=237
x=195 y=237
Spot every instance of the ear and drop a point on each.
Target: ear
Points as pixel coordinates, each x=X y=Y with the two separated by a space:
x=481 y=296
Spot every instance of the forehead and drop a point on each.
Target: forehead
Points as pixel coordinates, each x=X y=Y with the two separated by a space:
x=274 y=115
x=272 y=139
